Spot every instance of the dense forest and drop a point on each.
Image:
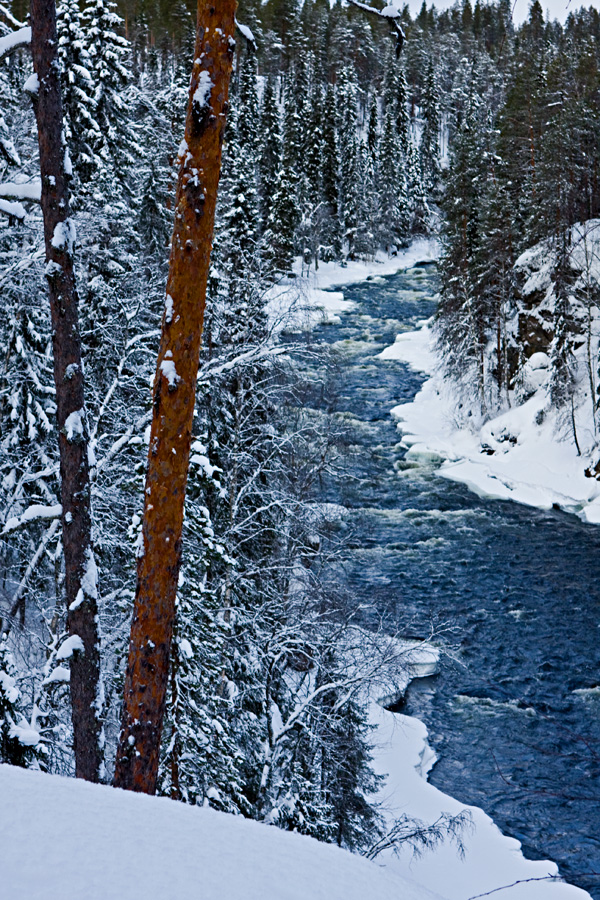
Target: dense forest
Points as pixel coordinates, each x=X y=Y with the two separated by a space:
x=341 y=144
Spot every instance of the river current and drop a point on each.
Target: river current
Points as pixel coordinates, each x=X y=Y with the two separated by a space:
x=512 y=595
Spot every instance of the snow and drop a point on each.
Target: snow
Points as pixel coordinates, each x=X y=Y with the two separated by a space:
x=59 y=675
x=73 y=426
x=32 y=85
x=491 y=860
x=307 y=300
x=25 y=734
x=65 y=236
x=36 y=511
x=9 y=687
x=15 y=39
x=534 y=459
x=246 y=32
x=25 y=190
x=167 y=367
x=72 y=645
x=13 y=209
x=186 y=648
x=168 y=309
x=202 y=92
x=89 y=580
x=96 y=842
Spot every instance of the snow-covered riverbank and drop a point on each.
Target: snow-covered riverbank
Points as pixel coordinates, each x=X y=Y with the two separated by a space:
x=526 y=454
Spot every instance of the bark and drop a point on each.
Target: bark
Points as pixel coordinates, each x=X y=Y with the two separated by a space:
x=174 y=394
x=81 y=595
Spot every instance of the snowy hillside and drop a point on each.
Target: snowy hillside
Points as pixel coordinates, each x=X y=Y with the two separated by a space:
x=98 y=843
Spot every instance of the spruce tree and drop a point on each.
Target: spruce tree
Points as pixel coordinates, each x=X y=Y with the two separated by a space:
x=82 y=131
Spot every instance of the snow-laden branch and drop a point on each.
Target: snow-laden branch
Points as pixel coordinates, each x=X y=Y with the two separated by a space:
x=4 y=11
x=26 y=190
x=391 y=13
x=118 y=445
x=245 y=31
x=13 y=41
x=33 y=514
x=213 y=368
x=16 y=210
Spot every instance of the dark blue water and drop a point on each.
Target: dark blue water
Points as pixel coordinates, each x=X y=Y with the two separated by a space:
x=512 y=595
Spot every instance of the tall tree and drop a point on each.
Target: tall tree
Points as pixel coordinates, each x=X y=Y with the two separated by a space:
x=59 y=234
x=173 y=401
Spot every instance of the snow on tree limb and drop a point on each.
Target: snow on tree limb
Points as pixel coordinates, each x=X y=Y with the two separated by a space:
x=14 y=41
x=247 y=33
x=32 y=514
x=47 y=537
x=26 y=190
x=16 y=210
x=4 y=11
x=392 y=14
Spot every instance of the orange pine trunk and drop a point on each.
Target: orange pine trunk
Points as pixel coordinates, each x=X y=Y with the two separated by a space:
x=173 y=399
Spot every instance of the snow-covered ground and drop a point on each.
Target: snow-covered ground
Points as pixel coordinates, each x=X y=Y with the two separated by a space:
x=64 y=839
x=68 y=839
x=534 y=459
x=491 y=861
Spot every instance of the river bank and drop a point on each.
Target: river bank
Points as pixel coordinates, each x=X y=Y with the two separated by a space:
x=527 y=453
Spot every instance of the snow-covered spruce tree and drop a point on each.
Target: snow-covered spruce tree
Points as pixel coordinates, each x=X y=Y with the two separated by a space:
x=82 y=132
x=350 y=186
x=284 y=217
x=429 y=147
x=19 y=745
x=563 y=363
x=393 y=208
x=332 y=228
x=463 y=315
x=108 y=51
x=270 y=148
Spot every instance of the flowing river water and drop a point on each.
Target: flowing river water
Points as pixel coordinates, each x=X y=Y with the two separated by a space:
x=513 y=594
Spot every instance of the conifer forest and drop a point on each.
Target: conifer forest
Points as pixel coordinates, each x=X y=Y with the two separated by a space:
x=244 y=514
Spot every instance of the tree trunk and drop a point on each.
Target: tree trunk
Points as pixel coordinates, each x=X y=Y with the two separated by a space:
x=173 y=400
x=59 y=235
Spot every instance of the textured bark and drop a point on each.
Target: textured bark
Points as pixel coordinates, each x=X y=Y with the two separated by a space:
x=174 y=398
x=81 y=596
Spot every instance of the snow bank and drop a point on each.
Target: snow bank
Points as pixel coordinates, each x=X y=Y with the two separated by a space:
x=526 y=454
x=66 y=838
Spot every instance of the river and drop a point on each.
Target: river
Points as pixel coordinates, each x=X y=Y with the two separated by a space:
x=511 y=593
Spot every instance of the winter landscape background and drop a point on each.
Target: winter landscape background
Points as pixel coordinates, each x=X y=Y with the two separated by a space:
x=464 y=158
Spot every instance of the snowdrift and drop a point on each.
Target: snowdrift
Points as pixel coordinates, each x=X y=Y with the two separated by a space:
x=67 y=839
